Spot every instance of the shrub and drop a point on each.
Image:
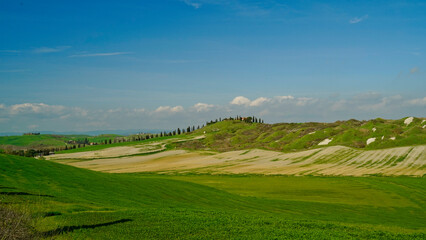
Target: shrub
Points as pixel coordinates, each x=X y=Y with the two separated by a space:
x=15 y=224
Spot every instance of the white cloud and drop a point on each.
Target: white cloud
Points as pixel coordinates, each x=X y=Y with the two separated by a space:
x=358 y=19
x=383 y=103
x=203 y=107
x=169 y=109
x=100 y=54
x=50 y=50
x=114 y=110
x=368 y=105
x=240 y=100
x=303 y=101
x=35 y=108
x=139 y=110
x=417 y=101
x=259 y=101
x=284 y=98
x=193 y=4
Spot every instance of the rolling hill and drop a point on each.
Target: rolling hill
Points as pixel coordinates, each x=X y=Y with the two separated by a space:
x=238 y=147
x=65 y=202
x=231 y=135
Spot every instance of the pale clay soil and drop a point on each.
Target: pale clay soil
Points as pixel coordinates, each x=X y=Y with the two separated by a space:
x=333 y=160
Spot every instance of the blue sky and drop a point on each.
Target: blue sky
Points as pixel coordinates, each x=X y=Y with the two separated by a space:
x=89 y=65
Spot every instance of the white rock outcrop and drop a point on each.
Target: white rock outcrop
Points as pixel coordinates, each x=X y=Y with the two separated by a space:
x=408 y=120
x=371 y=140
x=325 y=142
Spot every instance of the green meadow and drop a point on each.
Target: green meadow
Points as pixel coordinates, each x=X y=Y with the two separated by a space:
x=49 y=140
x=65 y=202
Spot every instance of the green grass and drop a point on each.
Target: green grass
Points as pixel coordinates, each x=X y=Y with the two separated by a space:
x=74 y=203
x=122 y=144
x=49 y=140
x=34 y=140
x=237 y=135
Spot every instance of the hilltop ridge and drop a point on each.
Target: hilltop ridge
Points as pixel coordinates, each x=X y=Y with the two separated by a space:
x=228 y=135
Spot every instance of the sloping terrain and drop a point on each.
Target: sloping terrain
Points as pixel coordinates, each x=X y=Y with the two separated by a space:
x=350 y=148
x=335 y=160
x=231 y=135
x=71 y=203
x=50 y=140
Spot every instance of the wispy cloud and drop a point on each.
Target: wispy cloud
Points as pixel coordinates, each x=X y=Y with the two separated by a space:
x=100 y=54
x=417 y=101
x=259 y=101
x=273 y=109
x=14 y=70
x=10 y=51
x=358 y=19
x=241 y=8
x=414 y=70
x=168 y=109
x=50 y=49
x=203 y=107
x=284 y=98
x=193 y=4
x=38 y=108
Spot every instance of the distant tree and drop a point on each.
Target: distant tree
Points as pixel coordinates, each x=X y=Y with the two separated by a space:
x=188 y=129
x=178 y=131
x=248 y=120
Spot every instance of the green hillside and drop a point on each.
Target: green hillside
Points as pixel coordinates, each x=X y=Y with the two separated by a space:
x=230 y=135
x=49 y=140
x=69 y=203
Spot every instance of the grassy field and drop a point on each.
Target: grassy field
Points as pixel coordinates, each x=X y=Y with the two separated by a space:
x=49 y=140
x=122 y=144
x=236 y=135
x=71 y=203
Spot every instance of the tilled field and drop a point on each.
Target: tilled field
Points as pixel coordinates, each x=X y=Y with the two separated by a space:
x=334 y=160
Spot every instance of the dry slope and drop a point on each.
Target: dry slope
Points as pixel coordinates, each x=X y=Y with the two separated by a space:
x=333 y=160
